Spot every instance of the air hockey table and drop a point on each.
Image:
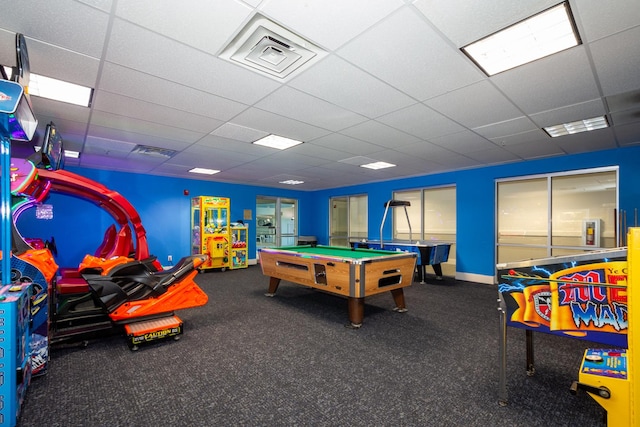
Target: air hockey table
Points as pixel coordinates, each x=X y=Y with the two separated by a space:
x=429 y=252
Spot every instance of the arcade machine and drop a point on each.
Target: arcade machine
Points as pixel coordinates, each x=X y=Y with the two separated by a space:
x=582 y=296
x=430 y=252
x=611 y=376
x=211 y=232
x=131 y=293
x=239 y=257
x=89 y=301
x=17 y=122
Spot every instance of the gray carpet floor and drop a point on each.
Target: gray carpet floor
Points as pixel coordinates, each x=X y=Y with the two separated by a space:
x=249 y=360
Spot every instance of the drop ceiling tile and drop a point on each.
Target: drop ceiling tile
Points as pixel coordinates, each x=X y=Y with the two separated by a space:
x=532 y=137
x=602 y=139
x=403 y=161
x=570 y=113
x=463 y=142
x=130 y=83
x=599 y=22
x=120 y=134
x=625 y=117
x=62 y=64
x=239 y=133
x=379 y=134
x=355 y=90
x=421 y=121
x=628 y=134
x=164 y=116
x=70 y=127
x=408 y=54
x=565 y=78
x=353 y=146
x=272 y=123
x=617 y=61
x=475 y=105
x=480 y=19
x=7 y=38
x=57 y=23
x=437 y=154
x=330 y=26
x=57 y=111
x=209 y=158
x=536 y=150
x=191 y=68
x=285 y=160
x=208 y=30
x=315 y=150
x=252 y=150
x=508 y=127
x=492 y=156
x=624 y=101
x=289 y=102
x=142 y=127
x=108 y=147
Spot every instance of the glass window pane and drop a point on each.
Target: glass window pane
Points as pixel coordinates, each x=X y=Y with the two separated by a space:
x=401 y=228
x=358 y=222
x=520 y=253
x=523 y=209
x=288 y=216
x=584 y=210
x=440 y=214
x=338 y=217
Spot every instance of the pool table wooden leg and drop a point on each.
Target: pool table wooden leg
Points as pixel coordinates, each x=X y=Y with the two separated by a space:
x=273 y=286
x=356 y=312
x=398 y=298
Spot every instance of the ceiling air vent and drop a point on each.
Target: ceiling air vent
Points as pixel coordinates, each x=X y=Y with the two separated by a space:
x=158 y=152
x=266 y=47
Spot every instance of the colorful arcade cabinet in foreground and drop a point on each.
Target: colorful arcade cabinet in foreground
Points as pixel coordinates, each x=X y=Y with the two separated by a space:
x=589 y=296
x=612 y=375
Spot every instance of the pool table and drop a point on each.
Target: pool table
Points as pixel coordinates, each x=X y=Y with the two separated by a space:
x=349 y=272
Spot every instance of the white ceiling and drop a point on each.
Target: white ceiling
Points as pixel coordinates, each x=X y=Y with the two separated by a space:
x=393 y=86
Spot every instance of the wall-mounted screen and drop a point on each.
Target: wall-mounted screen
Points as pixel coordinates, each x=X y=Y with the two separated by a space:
x=52 y=150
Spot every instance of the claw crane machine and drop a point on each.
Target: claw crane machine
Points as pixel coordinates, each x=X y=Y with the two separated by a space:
x=210 y=231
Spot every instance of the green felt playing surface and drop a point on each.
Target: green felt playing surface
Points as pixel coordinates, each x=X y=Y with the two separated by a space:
x=336 y=251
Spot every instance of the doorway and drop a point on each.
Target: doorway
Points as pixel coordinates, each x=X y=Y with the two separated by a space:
x=276 y=222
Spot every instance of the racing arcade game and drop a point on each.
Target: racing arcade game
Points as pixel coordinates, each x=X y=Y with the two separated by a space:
x=89 y=301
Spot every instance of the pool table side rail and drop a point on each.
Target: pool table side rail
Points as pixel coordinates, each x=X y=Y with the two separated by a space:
x=340 y=254
x=350 y=278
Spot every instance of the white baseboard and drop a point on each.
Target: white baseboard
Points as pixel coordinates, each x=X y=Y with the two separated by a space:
x=479 y=278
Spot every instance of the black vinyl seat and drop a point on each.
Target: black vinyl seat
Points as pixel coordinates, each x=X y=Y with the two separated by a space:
x=135 y=281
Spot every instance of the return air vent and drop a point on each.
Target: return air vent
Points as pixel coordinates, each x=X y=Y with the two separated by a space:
x=147 y=150
x=266 y=47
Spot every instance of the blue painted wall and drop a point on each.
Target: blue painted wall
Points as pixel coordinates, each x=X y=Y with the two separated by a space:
x=165 y=211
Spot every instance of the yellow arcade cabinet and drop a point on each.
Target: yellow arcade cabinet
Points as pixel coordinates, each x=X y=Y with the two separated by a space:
x=239 y=246
x=612 y=376
x=210 y=231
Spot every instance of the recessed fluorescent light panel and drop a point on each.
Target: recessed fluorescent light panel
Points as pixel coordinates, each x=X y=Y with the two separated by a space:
x=279 y=142
x=292 y=182
x=541 y=35
x=378 y=165
x=58 y=90
x=585 y=125
x=204 y=171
